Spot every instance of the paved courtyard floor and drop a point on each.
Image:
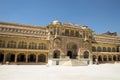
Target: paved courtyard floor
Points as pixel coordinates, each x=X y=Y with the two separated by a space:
x=38 y=72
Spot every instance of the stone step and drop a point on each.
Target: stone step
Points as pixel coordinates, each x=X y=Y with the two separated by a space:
x=79 y=62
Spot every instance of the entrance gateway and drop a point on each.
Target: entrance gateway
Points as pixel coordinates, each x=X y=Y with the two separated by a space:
x=56 y=56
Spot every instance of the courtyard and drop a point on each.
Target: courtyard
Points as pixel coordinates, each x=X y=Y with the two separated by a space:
x=43 y=72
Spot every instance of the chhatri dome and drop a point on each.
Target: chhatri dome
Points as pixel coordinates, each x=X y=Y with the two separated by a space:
x=56 y=22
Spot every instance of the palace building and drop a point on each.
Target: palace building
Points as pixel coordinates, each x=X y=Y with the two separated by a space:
x=61 y=43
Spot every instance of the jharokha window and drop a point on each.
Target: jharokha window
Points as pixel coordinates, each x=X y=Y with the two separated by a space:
x=11 y=44
x=22 y=45
x=32 y=45
x=2 y=44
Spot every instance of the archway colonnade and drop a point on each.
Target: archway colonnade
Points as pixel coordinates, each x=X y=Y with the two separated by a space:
x=104 y=49
x=13 y=57
x=105 y=58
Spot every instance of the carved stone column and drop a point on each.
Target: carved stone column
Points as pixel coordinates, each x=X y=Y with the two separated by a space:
x=119 y=49
x=36 y=57
x=15 y=57
x=4 y=60
x=27 y=57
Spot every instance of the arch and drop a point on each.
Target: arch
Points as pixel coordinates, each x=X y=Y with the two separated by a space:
x=1 y=57
x=41 y=58
x=21 y=57
x=113 y=49
x=104 y=49
x=109 y=49
x=86 y=54
x=105 y=58
x=93 y=48
x=94 y=58
x=99 y=58
x=77 y=33
x=110 y=58
x=73 y=48
x=72 y=33
x=114 y=58
x=56 y=54
x=99 y=49
x=31 y=58
x=118 y=57
x=69 y=53
x=66 y=32
x=10 y=57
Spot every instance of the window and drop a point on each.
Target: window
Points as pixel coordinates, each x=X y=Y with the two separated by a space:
x=42 y=46
x=22 y=45
x=67 y=32
x=104 y=49
x=41 y=58
x=72 y=33
x=113 y=49
x=98 y=49
x=109 y=49
x=32 y=45
x=86 y=54
x=11 y=44
x=94 y=49
x=77 y=34
x=2 y=44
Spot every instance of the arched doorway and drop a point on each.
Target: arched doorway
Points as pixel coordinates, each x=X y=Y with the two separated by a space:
x=10 y=57
x=21 y=58
x=118 y=57
x=86 y=55
x=114 y=57
x=41 y=58
x=31 y=58
x=69 y=53
x=72 y=50
x=56 y=54
x=1 y=57
x=94 y=59
x=100 y=59
x=105 y=58
x=110 y=58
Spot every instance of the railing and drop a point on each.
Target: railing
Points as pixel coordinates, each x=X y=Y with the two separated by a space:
x=21 y=48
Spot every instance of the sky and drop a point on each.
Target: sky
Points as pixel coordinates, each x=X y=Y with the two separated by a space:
x=99 y=15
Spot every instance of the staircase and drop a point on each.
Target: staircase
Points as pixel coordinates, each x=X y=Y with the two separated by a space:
x=79 y=62
x=74 y=62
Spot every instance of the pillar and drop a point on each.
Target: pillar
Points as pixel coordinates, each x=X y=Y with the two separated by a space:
x=107 y=58
x=4 y=60
x=69 y=32
x=15 y=57
x=119 y=49
x=36 y=57
x=6 y=44
x=96 y=60
x=46 y=54
x=112 y=58
x=26 y=57
x=91 y=59
x=74 y=33
x=17 y=44
x=102 y=58
x=116 y=58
